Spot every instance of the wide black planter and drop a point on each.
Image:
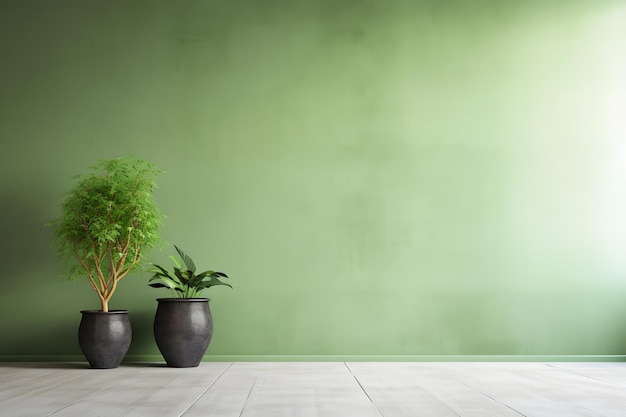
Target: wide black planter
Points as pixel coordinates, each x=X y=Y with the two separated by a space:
x=182 y=329
x=104 y=338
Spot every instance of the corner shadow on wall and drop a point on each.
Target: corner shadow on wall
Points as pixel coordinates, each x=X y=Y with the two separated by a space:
x=41 y=348
x=46 y=365
x=48 y=348
x=26 y=251
x=25 y=240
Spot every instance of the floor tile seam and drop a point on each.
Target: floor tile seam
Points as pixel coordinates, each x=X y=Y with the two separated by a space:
x=378 y=410
x=549 y=398
x=433 y=396
x=80 y=399
x=573 y=372
x=531 y=383
x=45 y=385
x=492 y=398
x=26 y=395
x=109 y=385
x=246 y=402
x=207 y=388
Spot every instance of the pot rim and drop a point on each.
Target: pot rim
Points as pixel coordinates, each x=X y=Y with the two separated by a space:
x=104 y=312
x=184 y=300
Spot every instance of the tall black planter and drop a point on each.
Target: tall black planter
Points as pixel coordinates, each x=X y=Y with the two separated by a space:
x=104 y=338
x=182 y=329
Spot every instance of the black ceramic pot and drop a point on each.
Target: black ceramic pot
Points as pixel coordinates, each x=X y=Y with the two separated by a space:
x=104 y=338
x=182 y=329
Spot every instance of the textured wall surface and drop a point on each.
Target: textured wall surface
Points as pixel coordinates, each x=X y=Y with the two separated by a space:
x=377 y=177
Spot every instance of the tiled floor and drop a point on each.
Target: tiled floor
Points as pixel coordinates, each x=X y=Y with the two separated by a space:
x=303 y=389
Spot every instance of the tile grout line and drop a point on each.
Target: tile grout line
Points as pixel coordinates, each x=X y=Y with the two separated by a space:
x=86 y=396
x=435 y=398
x=579 y=373
x=363 y=389
x=245 y=403
x=207 y=388
x=495 y=399
x=439 y=401
x=78 y=400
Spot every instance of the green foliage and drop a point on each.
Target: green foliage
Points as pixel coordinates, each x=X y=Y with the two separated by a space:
x=108 y=219
x=185 y=283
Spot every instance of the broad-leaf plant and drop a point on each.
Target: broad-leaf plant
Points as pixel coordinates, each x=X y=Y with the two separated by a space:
x=184 y=282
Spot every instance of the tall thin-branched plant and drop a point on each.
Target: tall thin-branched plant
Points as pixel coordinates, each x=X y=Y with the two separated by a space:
x=108 y=220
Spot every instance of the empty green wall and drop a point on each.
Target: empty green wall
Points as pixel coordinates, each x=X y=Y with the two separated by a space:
x=378 y=177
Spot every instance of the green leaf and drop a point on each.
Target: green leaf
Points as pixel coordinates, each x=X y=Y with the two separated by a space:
x=186 y=259
x=159 y=270
x=159 y=276
x=211 y=281
x=184 y=282
x=179 y=274
x=169 y=283
x=175 y=260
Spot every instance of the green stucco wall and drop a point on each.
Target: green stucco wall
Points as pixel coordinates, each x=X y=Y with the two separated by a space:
x=377 y=177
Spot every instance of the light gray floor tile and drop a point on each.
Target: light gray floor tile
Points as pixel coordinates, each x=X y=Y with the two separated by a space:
x=301 y=389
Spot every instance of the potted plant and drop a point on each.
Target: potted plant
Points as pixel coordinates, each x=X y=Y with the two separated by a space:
x=183 y=324
x=107 y=222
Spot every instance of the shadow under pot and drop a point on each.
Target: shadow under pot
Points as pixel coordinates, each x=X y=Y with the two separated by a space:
x=104 y=338
x=183 y=328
